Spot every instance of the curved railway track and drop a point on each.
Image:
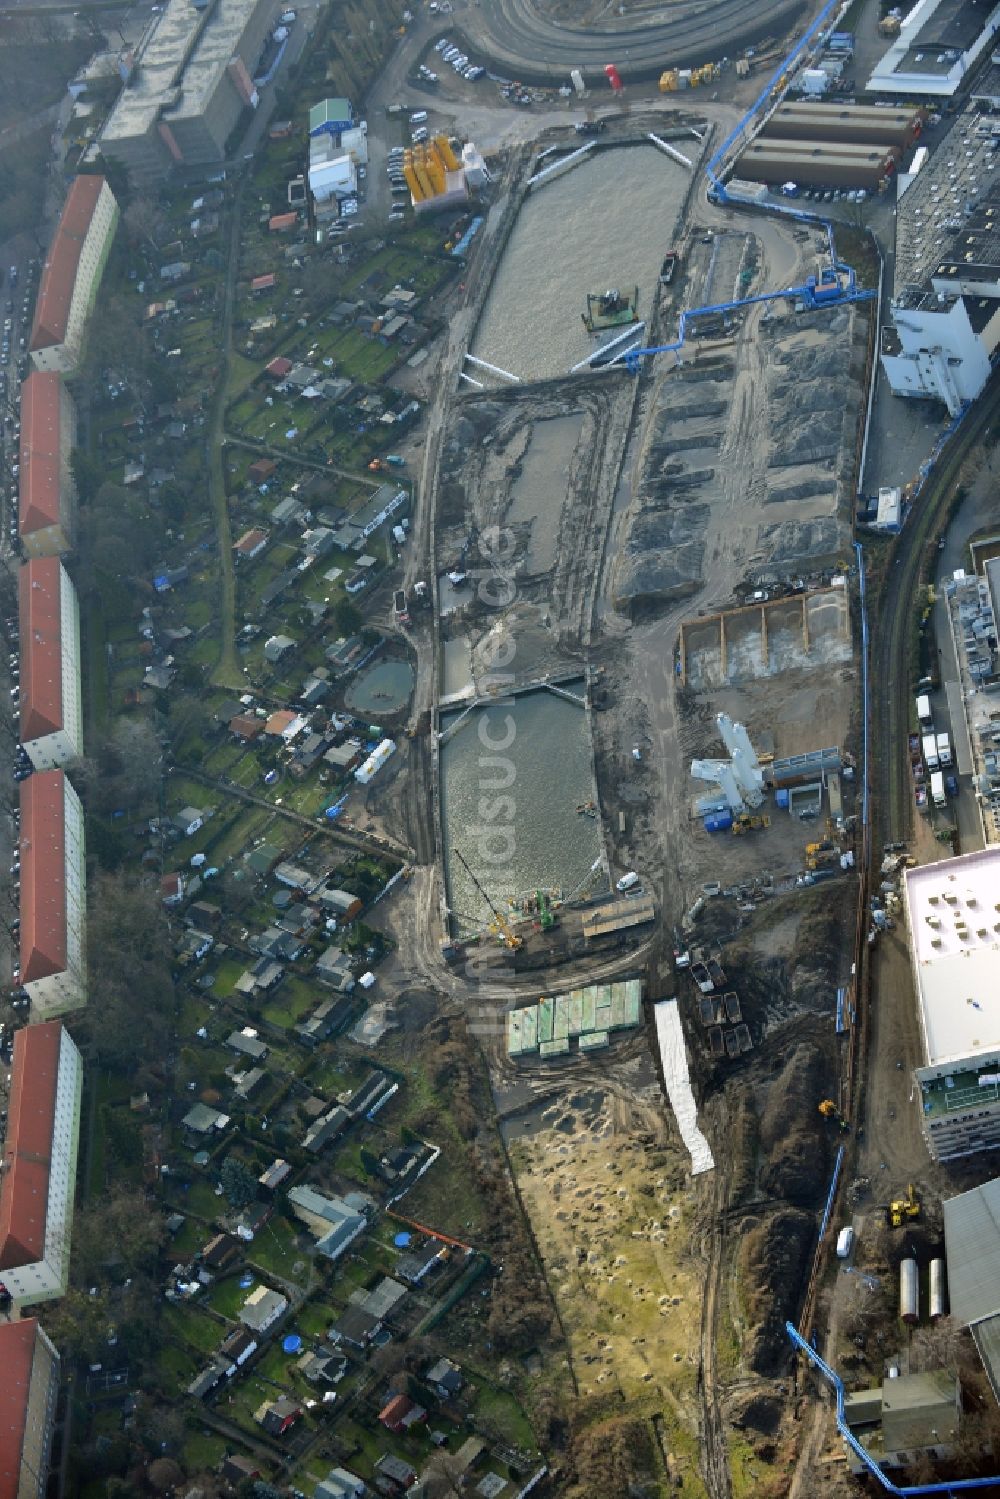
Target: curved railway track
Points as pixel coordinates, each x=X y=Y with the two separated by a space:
x=517 y=37
x=892 y=629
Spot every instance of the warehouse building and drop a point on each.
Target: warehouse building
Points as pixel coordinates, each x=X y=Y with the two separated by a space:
x=954 y=922
x=53 y=895
x=972 y=1249
x=191 y=82
x=937 y=44
x=51 y=708
x=819 y=163
x=857 y=124
x=46 y=493
x=72 y=274
x=39 y=1182
x=28 y=1393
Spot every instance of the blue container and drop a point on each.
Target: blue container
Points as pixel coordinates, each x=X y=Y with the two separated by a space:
x=718 y=822
x=781 y=799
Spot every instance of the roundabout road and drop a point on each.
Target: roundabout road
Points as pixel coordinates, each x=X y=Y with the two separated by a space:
x=535 y=49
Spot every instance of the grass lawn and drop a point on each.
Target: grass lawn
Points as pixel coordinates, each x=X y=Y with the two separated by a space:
x=313 y=1319
x=227 y=1296
x=293 y=999
x=193 y=1327
x=203 y=1449
x=275 y=1249
x=177 y=1366
x=500 y=1409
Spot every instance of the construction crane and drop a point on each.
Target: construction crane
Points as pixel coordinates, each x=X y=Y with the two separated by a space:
x=500 y=923
x=902 y=1208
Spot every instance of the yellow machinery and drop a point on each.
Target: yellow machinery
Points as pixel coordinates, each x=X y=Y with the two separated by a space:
x=829 y=1110
x=668 y=81
x=499 y=925
x=744 y=823
x=818 y=854
x=903 y=1208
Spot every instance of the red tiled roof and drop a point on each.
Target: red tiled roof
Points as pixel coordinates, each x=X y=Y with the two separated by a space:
x=55 y=293
x=43 y=875
x=24 y=1196
x=263 y=283
x=250 y=541
x=39 y=478
x=279 y=721
x=398 y=1407
x=41 y=648
x=282 y=221
x=278 y=367
x=245 y=726
x=17 y=1351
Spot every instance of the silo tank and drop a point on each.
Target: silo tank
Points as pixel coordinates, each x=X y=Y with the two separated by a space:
x=909 y=1291
x=938 y=1294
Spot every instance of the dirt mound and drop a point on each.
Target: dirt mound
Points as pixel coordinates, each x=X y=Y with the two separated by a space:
x=756 y=1410
x=772 y=1266
x=613 y=1458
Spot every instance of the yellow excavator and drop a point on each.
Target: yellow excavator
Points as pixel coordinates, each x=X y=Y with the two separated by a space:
x=903 y=1208
x=829 y=1110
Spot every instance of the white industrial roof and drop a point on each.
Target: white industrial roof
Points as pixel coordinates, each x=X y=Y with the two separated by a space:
x=954 y=915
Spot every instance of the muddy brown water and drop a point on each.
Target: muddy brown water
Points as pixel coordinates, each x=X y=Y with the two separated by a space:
x=512 y=810
x=605 y=223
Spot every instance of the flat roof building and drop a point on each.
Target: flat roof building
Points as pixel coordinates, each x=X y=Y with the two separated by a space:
x=819 y=163
x=39 y=1182
x=46 y=493
x=954 y=921
x=972 y=1249
x=192 y=81
x=937 y=44
x=72 y=274
x=28 y=1394
x=51 y=707
x=53 y=895
x=858 y=123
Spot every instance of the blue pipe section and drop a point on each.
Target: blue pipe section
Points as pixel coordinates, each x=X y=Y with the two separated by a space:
x=825 y=293
x=955 y=1485
x=838 y=1163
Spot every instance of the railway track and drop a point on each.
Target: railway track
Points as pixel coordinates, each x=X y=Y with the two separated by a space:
x=892 y=629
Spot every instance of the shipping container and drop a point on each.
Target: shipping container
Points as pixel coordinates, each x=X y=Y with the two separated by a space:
x=937 y=1298
x=718 y=822
x=929 y=748
x=924 y=711
x=909 y=1291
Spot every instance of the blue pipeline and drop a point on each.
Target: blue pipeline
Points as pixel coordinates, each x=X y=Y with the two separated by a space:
x=812 y=295
x=838 y=1163
x=953 y=1486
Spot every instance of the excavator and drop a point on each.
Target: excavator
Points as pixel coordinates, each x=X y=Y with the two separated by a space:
x=901 y=1208
x=745 y=823
x=829 y=1110
x=499 y=924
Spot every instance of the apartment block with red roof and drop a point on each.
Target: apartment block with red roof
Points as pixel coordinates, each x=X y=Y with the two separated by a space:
x=46 y=492
x=39 y=1177
x=53 y=895
x=28 y=1392
x=51 y=704
x=72 y=274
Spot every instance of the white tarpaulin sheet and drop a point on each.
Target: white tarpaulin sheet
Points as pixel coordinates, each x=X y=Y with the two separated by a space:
x=670 y=1037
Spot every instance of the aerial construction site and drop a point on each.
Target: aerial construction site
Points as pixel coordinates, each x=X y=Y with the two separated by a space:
x=546 y=798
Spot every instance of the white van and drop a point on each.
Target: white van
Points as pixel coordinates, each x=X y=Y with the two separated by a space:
x=845 y=1243
x=419 y=118
x=627 y=882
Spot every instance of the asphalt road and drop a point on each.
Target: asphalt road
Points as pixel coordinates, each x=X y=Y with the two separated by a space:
x=533 y=48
